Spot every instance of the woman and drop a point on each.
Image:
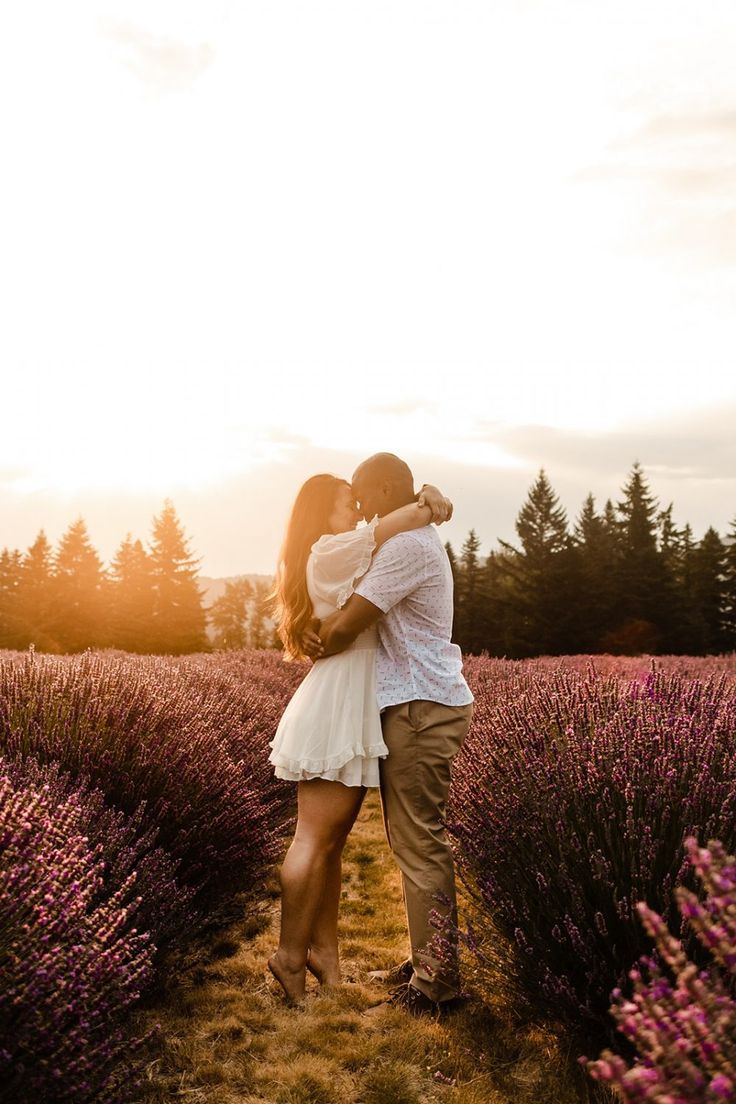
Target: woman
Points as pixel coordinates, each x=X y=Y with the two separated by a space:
x=329 y=738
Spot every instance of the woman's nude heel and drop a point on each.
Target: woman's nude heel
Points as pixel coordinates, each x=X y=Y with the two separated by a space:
x=292 y=997
x=319 y=974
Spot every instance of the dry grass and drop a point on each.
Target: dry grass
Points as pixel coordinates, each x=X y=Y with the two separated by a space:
x=228 y=1038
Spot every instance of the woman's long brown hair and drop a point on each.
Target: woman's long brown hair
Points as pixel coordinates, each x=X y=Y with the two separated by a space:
x=308 y=521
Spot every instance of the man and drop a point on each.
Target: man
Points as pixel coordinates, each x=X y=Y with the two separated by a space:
x=426 y=707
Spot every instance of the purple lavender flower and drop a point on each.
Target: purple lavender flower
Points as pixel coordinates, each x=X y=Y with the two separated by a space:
x=70 y=967
x=180 y=744
x=682 y=1023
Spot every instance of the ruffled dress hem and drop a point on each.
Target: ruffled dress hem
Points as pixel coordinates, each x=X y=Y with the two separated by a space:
x=334 y=763
x=358 y=771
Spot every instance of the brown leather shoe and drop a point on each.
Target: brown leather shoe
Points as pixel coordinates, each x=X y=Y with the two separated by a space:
x=397 y=975
x=416 y=1003
x=412 y=1000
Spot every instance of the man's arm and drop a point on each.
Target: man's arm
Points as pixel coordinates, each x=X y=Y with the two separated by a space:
x=398 y=567
x=338 y=631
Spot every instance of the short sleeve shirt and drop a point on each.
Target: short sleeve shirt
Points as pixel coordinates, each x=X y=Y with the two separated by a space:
x=410 y=580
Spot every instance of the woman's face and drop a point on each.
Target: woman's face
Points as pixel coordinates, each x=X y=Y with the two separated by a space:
x=345 y=514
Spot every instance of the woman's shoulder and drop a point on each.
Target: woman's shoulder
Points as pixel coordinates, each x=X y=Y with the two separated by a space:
x=353 y=538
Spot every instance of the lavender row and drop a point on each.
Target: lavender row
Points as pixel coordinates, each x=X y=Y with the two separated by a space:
x=571 y=802
x=138 y=804
x=71 y=963
x=180 y=746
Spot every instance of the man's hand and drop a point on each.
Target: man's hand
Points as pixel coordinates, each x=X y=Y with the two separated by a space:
x=440 y=506
x=338 y=631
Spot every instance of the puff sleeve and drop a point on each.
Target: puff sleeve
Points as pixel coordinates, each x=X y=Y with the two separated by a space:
x=338 y=561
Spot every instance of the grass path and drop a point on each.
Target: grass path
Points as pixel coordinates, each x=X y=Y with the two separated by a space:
x=228 y=1037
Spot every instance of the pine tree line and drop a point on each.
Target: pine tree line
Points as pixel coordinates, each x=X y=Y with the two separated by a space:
x=625 y=580
x=147 y=601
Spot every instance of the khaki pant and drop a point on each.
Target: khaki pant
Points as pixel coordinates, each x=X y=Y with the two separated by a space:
x=423 y=737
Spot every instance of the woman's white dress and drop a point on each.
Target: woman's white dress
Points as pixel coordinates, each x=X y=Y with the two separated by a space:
x=331 y=727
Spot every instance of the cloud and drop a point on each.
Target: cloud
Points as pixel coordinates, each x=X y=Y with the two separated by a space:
x=401 y=408
x=279 y=436
x=160 y=62
x=685 y=165
x=684 y=181
x=693 y=125
x=13 y=475
x=698 y=446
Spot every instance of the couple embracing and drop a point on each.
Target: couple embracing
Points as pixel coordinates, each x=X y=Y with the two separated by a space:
x=385 y=704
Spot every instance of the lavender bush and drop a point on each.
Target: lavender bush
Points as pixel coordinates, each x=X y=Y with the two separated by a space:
x=70 y=963
x=683 y=1031
x=570 y=803
x=180 y=747
x=121 y=774
x=124 y=846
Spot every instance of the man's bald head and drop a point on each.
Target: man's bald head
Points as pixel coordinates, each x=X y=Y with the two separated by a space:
x=382 y=483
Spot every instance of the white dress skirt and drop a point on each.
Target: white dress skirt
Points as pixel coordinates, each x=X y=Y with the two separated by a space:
x=331 y=727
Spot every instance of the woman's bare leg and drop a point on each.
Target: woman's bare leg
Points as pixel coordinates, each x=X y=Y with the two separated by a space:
x=323 y=958
x=324 y=961
x=327 y=811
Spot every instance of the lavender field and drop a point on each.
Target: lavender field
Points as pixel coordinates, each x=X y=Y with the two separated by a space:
x=138 y=810
x=578 y=803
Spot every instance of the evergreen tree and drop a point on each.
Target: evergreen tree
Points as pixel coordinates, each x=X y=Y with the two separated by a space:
x=590 y=526
x=682 y=624
x=640 y=577
x=541 y=595
x=132 y=598
x=610 y=522
x=261 y=630
x=669 y=540
x=179 y=624
x=230 y=614
x=499 y=585
x=11 y=628
x=542 y=523
x=77 y=616
x=471 y=598
x=693 y=641
x=36 y=596
x=637 y=513
x=594 y=562
x=729 y=590
x=709 y=563
x=612 y=529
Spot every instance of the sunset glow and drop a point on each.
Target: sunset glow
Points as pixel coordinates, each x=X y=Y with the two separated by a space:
x=240 y=240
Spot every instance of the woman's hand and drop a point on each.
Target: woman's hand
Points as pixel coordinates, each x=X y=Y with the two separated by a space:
x=311 y=643
x=440 y=506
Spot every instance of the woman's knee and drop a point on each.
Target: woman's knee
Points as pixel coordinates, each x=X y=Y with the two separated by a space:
x=325 y=840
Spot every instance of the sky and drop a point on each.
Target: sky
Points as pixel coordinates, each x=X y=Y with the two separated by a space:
x=242 y=242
